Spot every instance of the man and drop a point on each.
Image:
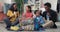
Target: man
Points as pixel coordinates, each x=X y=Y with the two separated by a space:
x=50 y=14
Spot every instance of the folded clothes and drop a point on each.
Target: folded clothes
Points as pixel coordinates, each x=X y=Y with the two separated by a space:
x=26 y=22
x=28 y=27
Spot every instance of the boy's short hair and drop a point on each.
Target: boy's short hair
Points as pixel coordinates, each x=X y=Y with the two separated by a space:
x=35 y=11
x=47 y=4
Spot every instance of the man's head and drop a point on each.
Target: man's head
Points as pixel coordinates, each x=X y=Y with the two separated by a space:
x=47 y=6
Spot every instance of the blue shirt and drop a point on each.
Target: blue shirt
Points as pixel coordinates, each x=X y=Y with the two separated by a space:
x=38 y=21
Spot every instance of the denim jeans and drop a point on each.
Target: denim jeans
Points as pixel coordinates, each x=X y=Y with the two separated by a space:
x=9 y=24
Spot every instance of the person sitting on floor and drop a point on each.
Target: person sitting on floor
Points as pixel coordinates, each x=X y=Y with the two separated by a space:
x=50 y=14
x=12 y=16
x=28 y=14
x=38 y=21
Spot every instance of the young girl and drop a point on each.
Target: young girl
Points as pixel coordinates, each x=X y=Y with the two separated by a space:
x=28 y=13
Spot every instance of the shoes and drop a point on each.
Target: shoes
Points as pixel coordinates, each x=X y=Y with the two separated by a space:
x=9 y=29
x=54 y=26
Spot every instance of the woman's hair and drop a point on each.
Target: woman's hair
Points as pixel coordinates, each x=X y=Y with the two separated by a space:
x=29 y=7
x=12 y=8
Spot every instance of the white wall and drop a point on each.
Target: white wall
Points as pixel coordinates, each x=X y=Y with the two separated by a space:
x=1 y=0
x=7 y=1
x=12 y=1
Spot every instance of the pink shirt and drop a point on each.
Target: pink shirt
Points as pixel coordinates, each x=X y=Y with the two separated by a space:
x=28 y=15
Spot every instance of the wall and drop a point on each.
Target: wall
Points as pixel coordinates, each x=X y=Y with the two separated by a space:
x=7 y=1
x=1 y=0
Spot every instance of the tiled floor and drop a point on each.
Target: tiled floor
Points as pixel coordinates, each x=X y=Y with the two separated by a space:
x=2 y=28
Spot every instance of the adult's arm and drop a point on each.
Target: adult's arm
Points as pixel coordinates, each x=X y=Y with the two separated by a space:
x=10 y=14
x=54 y=17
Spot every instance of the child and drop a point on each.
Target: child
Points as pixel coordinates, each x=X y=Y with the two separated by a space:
x=38 y=20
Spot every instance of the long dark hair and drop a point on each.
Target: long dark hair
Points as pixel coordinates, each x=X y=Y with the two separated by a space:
x=12 y=8
x=29 y=8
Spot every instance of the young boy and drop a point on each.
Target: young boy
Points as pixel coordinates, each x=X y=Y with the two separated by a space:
x=38 y=21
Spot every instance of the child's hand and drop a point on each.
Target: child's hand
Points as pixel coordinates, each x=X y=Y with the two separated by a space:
x=39 y=23
x=20 y=19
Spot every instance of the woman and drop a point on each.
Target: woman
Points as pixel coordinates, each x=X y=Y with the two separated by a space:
x=12 y=16
x=28 y=13
x=27 y=19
